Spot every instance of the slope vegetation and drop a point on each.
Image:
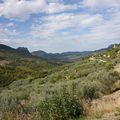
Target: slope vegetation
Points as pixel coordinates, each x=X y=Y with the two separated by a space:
x=18 y=64
x=68 y=92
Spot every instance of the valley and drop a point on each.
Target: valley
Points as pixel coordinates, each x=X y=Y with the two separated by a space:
x=35 y=88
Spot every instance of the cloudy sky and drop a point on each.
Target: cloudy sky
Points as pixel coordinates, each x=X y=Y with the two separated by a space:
x=60 y=25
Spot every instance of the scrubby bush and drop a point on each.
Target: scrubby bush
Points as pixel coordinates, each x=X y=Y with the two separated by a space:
x=90 y=92
x=8 y=103
x=60 y=107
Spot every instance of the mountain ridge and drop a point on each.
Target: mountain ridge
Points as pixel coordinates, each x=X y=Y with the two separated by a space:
x=21 y=50
x=69 y=56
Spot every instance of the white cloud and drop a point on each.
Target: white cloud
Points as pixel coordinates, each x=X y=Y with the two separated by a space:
x=108 y=30
x=11 y=24
x=8 y=30
x=58 y=7
x=80 y=28
x=101 y=3
x=6 y=33
x=22 y=9
x=7 y=25
x=55 y=24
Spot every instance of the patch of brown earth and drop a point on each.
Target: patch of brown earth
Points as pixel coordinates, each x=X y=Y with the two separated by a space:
x=4 y=62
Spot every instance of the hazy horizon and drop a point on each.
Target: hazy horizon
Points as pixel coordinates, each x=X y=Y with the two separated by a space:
x=58 y=52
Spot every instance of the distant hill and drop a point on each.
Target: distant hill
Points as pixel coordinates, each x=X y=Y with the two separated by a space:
x=67 y=56
x=19 y=63
x=4 y=48
x=23 y=51
x=7 y=52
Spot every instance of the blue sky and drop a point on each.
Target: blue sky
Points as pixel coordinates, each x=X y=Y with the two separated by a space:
x=60 y=25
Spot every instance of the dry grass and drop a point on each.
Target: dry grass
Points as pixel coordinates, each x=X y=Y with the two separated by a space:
x=117 y=68
x=106 y=104
x=4 y=62
x=20 y=116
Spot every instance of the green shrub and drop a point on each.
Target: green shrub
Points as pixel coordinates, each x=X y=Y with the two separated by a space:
x=60 y=107
x=8 y=103
x=90 y=92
